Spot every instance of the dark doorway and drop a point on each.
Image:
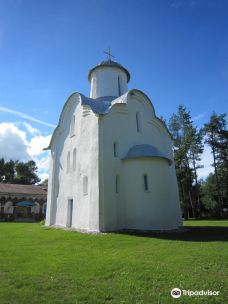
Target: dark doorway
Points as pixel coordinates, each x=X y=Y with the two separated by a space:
x=70 y=213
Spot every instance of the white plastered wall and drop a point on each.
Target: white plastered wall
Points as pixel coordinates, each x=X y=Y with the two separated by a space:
x=157 y=208
x=105 y=82
x=162 y=203
x=65 y=186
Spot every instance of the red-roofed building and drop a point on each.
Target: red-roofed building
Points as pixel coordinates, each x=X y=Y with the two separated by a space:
x=22 y=202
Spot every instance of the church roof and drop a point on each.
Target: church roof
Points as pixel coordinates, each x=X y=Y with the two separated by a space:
x=110 y=63
x=100 y=105
x=22 y=189
x=145 y=151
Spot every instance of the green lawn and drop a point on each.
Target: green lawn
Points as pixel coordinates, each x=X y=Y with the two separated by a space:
x=40 y=265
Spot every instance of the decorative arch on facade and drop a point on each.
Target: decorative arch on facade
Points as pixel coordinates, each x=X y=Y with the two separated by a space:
x=8 y=207
x=36 y=209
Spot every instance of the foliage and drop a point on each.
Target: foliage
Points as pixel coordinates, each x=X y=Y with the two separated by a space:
x=216 y=138
x=211 y=196
x=7 y=171
x=16 y=172
x=188 y=148
x=208 y=189
x=44 y=183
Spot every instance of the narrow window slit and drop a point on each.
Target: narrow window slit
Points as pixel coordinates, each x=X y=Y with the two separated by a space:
x=145 y=182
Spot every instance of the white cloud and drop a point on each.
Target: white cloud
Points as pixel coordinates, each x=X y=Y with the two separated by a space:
x=37 y=144
x=13 y=142
x=30 y=129
x=43 y=165
x=16 y=146
x=25 y=116
x=43 y=176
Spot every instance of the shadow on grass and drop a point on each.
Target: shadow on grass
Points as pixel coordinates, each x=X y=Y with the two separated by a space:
x=189 y=233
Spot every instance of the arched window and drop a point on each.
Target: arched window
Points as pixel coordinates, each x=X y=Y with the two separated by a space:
x=72 y=126
x=85 y=185
x=117 y=186
x=74 y=159
x=115 y=149
x=68 y=162
x=138 y=122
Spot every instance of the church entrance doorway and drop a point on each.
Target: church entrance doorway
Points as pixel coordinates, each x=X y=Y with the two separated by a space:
x=70 y=213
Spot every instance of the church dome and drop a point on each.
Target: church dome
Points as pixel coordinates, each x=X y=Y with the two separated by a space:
x=110 y=63
x=108 y=78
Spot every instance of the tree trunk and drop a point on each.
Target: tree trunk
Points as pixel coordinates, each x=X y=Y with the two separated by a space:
x=197 y=187
x=185 y=204
x=193 y=209
x=217 y=184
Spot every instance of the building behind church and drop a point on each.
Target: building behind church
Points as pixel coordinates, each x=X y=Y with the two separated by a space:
x=22 y=202
x=112 y=163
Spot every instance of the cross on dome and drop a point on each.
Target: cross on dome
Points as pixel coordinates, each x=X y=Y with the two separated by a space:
x=110 y=56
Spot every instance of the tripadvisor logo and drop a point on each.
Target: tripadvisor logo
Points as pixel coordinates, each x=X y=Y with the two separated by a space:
x=177 y=293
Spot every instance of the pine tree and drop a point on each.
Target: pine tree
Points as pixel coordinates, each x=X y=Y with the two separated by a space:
x=187 y=149
x=216 y=138
x=194 y=154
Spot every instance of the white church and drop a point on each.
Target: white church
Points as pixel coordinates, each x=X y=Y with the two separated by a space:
x=111 y=162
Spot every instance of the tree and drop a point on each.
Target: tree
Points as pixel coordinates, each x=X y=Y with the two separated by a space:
x=222 y=165
x=7 y=171
x=209 y=195
x=16 y=172
x=26 y=173
x=194 y=154
x=216 y=138
x=44 y=183
x=2 y=172
x=187 y=150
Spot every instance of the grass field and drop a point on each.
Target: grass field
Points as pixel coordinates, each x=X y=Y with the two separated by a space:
x=40 y=265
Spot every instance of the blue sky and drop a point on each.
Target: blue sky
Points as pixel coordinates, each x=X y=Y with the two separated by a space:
x=175 y=50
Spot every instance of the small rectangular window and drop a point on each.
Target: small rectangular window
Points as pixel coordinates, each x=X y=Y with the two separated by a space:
x=115 y=149
x=145 y=182
x=70 y=213
x=72 y=126
x=137 y=122
x=117 y=183
x=74 y=159
x=85 y=185
x=68 y=162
